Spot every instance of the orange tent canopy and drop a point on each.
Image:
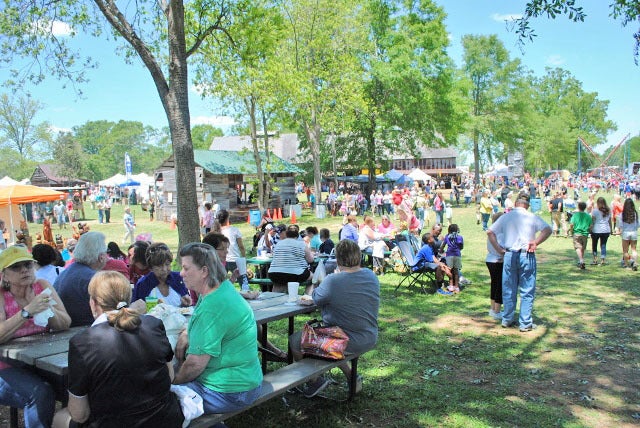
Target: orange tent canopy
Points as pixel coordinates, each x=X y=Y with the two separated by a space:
x=24 y=194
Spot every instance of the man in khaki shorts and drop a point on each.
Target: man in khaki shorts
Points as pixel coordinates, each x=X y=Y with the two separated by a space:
x=580 y=225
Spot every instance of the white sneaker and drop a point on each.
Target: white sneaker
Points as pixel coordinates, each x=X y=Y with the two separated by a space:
x=495 y=315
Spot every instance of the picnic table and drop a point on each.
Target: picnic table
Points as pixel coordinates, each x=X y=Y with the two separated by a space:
x=271 y=307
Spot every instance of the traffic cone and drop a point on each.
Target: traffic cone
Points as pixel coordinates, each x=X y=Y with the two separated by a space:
x=268 y=213
x=279 y=214
x=293 y=216
x=248 y=218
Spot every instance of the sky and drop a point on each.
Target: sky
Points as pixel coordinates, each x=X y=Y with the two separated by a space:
x=597 y=52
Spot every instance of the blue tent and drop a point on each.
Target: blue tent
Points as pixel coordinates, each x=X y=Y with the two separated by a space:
x=393 y=175
x=129 y=182
x=404 y=179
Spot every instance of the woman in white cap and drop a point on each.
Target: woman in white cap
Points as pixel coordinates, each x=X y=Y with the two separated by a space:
x=21 y=298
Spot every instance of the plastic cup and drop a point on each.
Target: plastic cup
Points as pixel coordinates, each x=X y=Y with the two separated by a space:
x=292 y=288
x=151 y=302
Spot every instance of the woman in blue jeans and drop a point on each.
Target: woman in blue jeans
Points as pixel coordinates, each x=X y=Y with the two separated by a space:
x=23 y=297
x=600 y=230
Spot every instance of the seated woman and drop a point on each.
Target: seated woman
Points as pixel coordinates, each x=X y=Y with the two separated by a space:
x=22 y=297
x=218 y=351
x=335 y=298
x=371 y=243
x=350 y=229
x=167 y=286
x=138 y=261
x=291 y=258
x=129 y=387
x=49 y=260
x=411 y=221
x=386 y=227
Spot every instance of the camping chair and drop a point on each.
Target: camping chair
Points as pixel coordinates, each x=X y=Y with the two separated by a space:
x=418 y=276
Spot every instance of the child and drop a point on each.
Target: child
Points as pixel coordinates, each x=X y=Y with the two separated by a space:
x=327 y=244
x=454 y=244
x=495 y=263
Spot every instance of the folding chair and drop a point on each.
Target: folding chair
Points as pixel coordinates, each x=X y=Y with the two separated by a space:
x=415 y=277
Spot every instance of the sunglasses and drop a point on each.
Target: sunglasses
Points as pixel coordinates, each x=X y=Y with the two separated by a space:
x=20 y=265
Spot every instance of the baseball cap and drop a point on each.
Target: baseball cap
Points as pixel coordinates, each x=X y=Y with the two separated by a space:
x=13 y=255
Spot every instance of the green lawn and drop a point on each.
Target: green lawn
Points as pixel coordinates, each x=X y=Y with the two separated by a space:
x=441 y=361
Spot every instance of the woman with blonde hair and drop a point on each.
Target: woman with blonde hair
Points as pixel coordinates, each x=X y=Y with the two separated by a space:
x=128 y=386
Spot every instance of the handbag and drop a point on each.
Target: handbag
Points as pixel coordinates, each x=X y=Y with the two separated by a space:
x=323 y=341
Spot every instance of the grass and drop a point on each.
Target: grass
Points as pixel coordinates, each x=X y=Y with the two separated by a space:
x=442 y=362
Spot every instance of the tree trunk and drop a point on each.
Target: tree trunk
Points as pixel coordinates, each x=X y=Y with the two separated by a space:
x=265 y=183
x=476 y=156
x=313 y=131
x=250 y=105
x=176 y=105
x=371 y=156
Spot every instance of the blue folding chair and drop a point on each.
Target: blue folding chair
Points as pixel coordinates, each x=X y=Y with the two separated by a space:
x=414 y=275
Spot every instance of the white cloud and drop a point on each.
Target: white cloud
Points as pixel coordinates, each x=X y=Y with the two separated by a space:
x=56 y=28
x=505 y=17
x=555 y=60
x=59 y=28
x=56 y=130
x=217 y=121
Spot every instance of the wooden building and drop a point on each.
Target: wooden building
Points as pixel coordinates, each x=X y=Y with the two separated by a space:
x=226 y=176
x=440 y=163
x=48 y=175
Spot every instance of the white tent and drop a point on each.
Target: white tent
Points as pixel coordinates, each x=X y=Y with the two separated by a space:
x=113 y=181
x=7 y=181
x=499 y=170
x=419 y=175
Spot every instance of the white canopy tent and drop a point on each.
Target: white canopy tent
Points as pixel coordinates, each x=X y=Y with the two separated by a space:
x=7 y=181
x=419 y=175
x=499 y=170
x=113 y=181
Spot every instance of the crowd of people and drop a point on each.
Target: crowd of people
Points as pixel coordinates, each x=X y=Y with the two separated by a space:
x=96 y=284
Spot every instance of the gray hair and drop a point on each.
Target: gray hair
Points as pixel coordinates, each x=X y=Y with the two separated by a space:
x=205 y=255
x=89 y=247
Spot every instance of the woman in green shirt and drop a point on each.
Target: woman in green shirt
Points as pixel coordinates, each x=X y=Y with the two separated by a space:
x=218 y=350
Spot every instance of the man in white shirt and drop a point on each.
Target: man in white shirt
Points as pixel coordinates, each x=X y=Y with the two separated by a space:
x=522 y=232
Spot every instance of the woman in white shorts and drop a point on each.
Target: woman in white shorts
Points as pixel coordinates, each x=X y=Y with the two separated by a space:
x=628 y=223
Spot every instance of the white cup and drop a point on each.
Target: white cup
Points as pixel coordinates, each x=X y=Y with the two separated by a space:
x=293 y=291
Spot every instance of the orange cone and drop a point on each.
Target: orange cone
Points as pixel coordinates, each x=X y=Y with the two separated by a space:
x=293 y=217
x=268 y=213
x=279 y=214
x=248 y=218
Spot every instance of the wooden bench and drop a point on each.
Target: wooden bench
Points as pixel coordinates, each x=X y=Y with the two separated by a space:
x=280 y=381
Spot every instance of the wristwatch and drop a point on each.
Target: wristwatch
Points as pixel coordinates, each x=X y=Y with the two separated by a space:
x=25 y=314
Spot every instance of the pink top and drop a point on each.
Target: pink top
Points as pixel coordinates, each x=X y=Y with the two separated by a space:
x=11 y=308
x=386 y=230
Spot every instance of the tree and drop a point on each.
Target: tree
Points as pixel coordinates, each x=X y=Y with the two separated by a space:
x=566 y=112
x=203 y=135
x=320 y=69
x=154 y=32
x=626 y=10
x=237 y=72
x=492 y=76
x=17 y=128
x=409 y=87
x=68 y=154
x=106 y=143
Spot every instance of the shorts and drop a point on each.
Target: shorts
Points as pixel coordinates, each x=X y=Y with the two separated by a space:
x=454 y=262
x=630 y=235
x=579 y=242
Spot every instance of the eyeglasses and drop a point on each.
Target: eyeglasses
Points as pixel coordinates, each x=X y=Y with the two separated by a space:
x=20 y=265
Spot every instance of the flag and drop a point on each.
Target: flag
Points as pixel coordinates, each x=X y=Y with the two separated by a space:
x=127 y=165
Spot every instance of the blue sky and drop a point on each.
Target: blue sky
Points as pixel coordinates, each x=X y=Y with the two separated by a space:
x=597 y=52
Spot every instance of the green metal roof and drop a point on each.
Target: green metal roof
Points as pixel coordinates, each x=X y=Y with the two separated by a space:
x=222 y=162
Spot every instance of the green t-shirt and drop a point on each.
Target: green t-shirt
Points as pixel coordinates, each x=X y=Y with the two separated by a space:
x=581 y=222
x=223 y=326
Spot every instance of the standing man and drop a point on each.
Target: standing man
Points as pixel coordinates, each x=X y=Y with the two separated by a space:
x=523 y=231
x=556 y=207
x=129 y=226
x=107 y=207
x=60 y=211
x=236 y=246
